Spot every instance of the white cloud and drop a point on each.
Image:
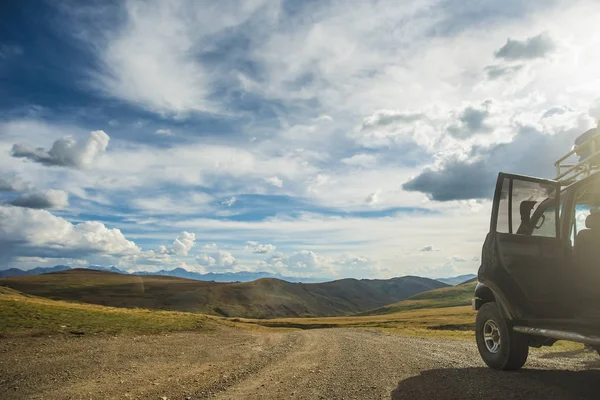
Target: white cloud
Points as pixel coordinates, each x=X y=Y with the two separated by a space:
x=229 y=202
x=308 y=263
x=152 y=59
x=373 y=198
x=534 y=47
x=260 y=248
x=275 y=181
x=183 y=243
x=28 y=232
x=164 y=132
x=218 y=260
x=12 y=184
x=50 y=199
x=66 y=152
x=361 y=160
x=182 y=203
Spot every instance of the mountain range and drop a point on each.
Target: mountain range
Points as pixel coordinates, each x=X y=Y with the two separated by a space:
x=243 y=276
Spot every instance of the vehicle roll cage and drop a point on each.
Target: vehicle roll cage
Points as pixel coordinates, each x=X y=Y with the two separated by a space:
x=569 y=173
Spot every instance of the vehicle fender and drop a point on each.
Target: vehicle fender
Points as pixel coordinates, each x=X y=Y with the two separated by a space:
x=487 y=294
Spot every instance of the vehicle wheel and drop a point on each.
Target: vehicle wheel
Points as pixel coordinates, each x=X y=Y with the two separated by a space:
x=499 y=346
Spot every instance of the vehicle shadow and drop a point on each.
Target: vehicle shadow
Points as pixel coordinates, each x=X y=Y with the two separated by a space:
x=485 y=383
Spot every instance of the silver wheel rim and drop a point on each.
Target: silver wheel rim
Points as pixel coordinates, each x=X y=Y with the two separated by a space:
x=491 y=336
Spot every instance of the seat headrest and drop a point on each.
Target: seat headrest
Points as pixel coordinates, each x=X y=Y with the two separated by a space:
x=593 y=221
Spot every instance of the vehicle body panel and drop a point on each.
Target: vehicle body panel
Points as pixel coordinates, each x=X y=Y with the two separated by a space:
x=534 y=278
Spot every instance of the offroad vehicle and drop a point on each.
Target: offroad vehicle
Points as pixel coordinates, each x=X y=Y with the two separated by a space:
x=539 y=279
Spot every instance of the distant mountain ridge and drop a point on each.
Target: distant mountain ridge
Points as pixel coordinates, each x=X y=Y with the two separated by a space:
x=262 y=298
x=243 y=276
x=35 y=271
x=457 y=280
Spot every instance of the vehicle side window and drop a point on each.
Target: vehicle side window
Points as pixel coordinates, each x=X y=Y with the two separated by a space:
x=545 y=224
x=527 y=208
x=578 y=221
x=502 y=224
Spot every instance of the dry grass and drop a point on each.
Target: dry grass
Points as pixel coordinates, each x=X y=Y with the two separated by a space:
x=24 y=315
x=438 y=322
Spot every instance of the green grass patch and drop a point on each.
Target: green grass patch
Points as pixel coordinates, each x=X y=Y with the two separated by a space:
x=24 y=315
x=454 y=296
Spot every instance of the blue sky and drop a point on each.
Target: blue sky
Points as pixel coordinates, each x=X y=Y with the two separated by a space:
x=327 y=139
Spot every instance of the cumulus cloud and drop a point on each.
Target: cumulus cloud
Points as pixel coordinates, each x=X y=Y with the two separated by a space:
x=302 y=262
x=165 y=132
x=66 y=152
x=501 y=71
x=50 y=199
x=533 y=47
x=260 y=248
x=386 y=128
x=373 y=198
x=181 y=246
x=471 y=121
x=183 y=243
x=11 y=184
x=28 y=232
x=306 y=263
x=531 y=152
x=223 y=260
x=275 y=181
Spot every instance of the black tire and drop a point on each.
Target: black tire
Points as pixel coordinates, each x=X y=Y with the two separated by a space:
x=505 y=349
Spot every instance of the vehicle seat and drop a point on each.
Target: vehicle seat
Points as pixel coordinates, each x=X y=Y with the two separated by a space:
x=587 y=255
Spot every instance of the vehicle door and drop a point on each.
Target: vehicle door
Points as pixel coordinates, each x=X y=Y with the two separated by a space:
x=522 y=254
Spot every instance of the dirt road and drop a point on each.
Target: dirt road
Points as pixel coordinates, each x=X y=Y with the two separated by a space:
x=326 y=364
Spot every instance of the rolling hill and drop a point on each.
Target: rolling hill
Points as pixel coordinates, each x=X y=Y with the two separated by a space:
x=263 y=298
x=454 y=296
x=457 y=280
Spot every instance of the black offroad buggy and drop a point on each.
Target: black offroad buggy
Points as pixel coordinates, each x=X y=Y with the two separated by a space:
x=539 y=279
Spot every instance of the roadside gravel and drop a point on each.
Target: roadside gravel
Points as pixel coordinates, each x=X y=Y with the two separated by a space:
x=316 y=364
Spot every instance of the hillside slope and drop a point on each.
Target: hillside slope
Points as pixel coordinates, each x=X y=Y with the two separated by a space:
x=454 y=296
x=24 y=315
x=264 y=298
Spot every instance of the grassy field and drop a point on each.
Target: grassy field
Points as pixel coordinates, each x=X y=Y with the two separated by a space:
x=25 y=315
x=453 y=296
x=441 y=312
x=439 y=322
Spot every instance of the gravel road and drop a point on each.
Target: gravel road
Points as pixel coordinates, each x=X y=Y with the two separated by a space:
x=315 y=364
